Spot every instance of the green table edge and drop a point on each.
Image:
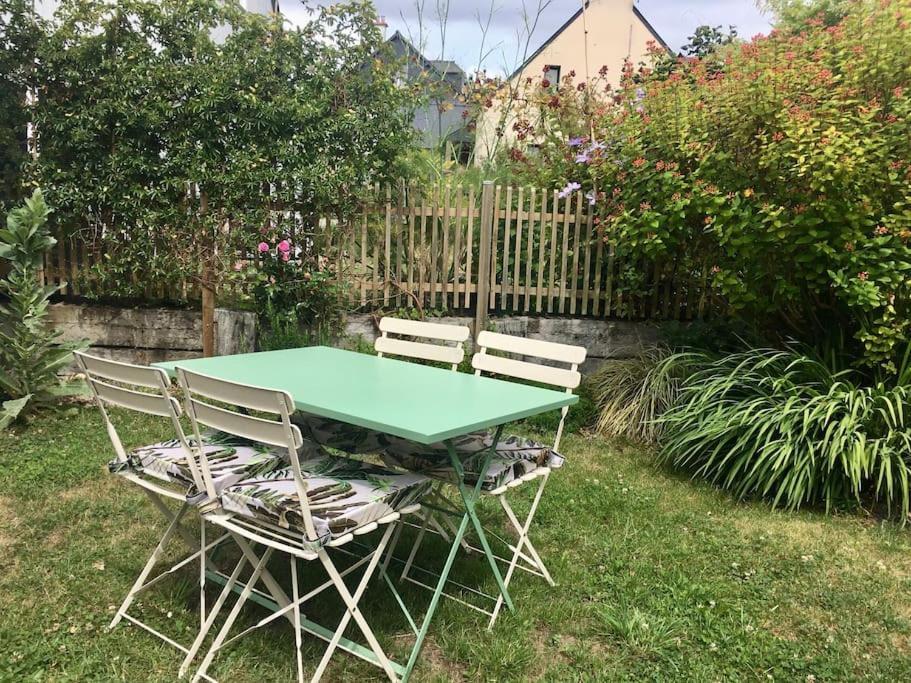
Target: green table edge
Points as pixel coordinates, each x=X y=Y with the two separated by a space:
x=566 y=400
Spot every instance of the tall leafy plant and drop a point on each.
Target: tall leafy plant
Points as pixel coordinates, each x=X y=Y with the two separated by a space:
x=785 y=426
x=29 y=353
x=632 y=393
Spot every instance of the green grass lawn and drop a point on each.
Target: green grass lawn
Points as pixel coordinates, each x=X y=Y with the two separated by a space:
x=659 y=578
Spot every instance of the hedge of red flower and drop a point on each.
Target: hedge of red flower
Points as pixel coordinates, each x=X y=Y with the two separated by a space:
x=781 y=166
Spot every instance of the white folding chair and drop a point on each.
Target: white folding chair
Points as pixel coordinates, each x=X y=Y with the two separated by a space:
x=319 y=502
x=449 y=351
x=411 y=339
x=145 y=390
x=516 y=461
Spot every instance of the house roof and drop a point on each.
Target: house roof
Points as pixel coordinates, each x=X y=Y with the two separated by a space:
x=412 y=50
x=568 y=23
x=447 y=66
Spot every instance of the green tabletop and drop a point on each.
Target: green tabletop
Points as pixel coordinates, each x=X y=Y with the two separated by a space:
x=417 y=402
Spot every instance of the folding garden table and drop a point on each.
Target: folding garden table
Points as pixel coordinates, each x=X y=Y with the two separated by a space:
x=417 y=402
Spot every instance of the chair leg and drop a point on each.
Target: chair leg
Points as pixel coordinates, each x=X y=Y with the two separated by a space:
x=298 y=636
x=150 y=564
x=184 y=534
x=210 y=619
x=202 y=572
x=232 y=616
x=536 y=558
x=523 y=540
x=425 y=518
x=275 y=590
x=353 y=611
x=390 y=551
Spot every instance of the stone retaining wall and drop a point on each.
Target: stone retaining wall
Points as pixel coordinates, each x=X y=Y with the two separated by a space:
x=149 y=335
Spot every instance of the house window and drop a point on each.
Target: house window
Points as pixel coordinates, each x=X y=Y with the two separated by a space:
x=552 y=73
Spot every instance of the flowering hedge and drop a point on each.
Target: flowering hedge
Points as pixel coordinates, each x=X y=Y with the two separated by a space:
x=782 y=165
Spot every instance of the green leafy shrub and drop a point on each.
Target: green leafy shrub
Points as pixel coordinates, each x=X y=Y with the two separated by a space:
x=632 y=393
x=170 y=147
x=784 y=176
x=29 y=354
x=785 y=426
x=295 y=294
x=19 y=31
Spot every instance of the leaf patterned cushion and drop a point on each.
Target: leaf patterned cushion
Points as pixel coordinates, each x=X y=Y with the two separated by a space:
x=340 y=435
x=342 y=493
x=515 y=456
x=231 y=459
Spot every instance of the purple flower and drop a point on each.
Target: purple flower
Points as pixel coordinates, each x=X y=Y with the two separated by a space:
x=640 y=94
x=596 y=147
x=640 y=109
x=591 y=197
x=576 y=142
x=583 y=158
x=568 y=190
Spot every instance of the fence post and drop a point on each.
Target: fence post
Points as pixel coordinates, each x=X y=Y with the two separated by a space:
x=484 y=243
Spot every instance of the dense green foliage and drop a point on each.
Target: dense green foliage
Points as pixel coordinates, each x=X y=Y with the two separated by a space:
x=30 y=354
x=295 y=294
x=172 y=132
x=632 y=393
x=785 y=426
x=792 y=15
x=19 y=32
x=786 y=173
x=782 y=167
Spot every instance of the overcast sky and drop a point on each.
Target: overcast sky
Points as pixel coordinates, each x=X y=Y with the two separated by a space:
x=674 y=20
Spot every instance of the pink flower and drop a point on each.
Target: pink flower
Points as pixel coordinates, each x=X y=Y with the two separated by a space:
x=263 y=247
x=285 y=256
x=863 y=275
x=284 y=246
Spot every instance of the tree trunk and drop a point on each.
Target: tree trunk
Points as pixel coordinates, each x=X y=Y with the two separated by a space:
x=207 y=288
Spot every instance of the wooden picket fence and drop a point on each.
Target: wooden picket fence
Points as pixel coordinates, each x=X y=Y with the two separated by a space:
x=515 y=250
x=520 y=250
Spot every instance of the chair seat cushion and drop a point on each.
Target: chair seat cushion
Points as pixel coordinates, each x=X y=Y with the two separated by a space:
x=231 y=459
x=342 y=493
x=515 y=457
x=340 y=435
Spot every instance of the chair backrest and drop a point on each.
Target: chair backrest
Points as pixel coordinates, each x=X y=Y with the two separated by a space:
x=452 y=353
x=116 y=383
x=566 y=378
x=281 y=433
